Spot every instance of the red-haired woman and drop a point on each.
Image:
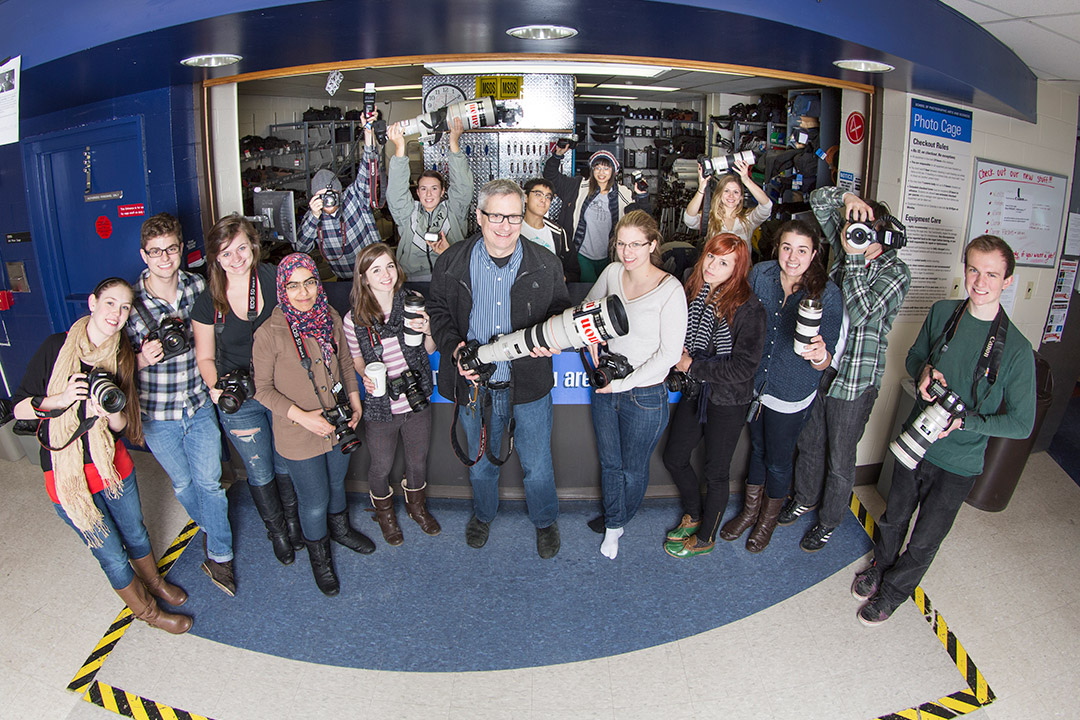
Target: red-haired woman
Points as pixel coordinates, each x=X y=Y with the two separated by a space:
x=725 y=333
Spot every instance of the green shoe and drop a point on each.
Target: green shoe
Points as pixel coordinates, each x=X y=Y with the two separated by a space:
x=684 y=529
x=687 y=547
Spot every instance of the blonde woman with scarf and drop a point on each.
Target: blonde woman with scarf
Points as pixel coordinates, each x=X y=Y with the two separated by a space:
x=88 y=473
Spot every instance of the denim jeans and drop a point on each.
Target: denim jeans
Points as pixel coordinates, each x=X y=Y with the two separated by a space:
x=721 y=432
x=938 y=494
x=382 y=437
x=127 y=536
x=628 y=425
x=832 y=433
x=249 y=429
x=189 y=450
x=772 y=448
x=532 y=443
x=320 y=489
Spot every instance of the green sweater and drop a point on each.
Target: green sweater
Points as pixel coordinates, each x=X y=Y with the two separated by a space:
x=1008 y=408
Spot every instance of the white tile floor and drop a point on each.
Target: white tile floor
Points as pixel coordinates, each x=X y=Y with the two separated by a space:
x=1006 y=583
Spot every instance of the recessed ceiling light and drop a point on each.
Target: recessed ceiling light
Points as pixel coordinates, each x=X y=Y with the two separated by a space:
x=412 y=97
x=870 y=66
x=542 y=32
x=211 y=60
x=610 y=97
x=388 y=88
x=563 y=67
x=644 y=88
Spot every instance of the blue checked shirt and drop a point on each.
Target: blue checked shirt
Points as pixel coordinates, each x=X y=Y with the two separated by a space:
x=341 y=236
x=173 y=388
x=491 y=285
x=873 y=293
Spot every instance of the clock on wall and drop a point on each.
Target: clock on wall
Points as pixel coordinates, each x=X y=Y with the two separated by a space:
x=442 y=95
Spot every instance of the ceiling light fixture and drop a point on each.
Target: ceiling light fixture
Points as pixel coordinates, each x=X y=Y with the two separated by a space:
x=643 y=88
x=870 y=66
x=542 y=32
x=609 y=97
x=565 y=67
x=211 y=60
x=412 y=97
x=388 y=88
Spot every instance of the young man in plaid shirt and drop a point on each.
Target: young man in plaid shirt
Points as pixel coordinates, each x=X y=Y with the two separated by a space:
x=341 y=231
x=874 y=282
x=179 y=421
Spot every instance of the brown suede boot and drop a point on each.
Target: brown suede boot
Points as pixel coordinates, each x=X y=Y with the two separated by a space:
x=737 y=525
x=147 y=571
x=759 y=537
x=384 y=515
x=145 y=607
x=416 y=506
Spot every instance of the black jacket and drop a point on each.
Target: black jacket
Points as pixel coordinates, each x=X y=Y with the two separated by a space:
x=538 y=293
x=731 y=378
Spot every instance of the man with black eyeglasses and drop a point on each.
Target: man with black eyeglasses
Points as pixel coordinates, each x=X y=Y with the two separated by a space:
x=179 y=422
x=544 y=232
x=492 y=284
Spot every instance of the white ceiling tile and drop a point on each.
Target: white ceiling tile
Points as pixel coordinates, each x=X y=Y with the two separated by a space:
x=1040 y=48
x=1030 y=8
x=1067 y=25
x=977 y=11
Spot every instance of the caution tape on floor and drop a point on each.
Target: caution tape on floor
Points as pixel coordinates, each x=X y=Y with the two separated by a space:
x=85 y=676
x=961 y=702
x=134 y=706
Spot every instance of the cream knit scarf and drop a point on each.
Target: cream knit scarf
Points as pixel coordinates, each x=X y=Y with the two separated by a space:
x=69 y=477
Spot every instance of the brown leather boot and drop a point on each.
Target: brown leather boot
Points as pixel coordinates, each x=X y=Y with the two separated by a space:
x=146 y=570
x=384 y=515
x=145 y=607
x=737 y=525
x=759 y=537
x=416 y=506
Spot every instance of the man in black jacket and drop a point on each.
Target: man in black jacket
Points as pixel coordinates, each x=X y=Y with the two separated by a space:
x=490 y=285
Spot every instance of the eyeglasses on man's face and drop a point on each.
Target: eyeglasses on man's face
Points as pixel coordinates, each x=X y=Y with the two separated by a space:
x=156 y=252
x=541 y=195
x=496 y=218
x=311 y=283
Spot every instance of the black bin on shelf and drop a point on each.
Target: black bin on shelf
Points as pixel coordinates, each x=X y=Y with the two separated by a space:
x=1005 y=457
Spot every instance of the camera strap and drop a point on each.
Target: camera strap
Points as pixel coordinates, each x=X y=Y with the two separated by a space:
x=305 y=362
x=485 y=411
x=252 y=313
x=993 y=348
x=144 y=313
x=706 y=210
x=84 y=427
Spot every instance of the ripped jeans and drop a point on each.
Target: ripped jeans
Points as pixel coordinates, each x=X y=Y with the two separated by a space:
x=248 y=429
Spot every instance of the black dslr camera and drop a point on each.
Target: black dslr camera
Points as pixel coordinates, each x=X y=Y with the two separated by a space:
x=173 y=336
x=339 y=417
x=468 y=360
x=408 y=384
x=236 y=386
x=680 y=382
x=105 y=391
x=331 y=198
x=610 y=366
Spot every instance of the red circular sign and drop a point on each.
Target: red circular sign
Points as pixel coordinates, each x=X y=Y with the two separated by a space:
x=103 y=227
x=855 y=127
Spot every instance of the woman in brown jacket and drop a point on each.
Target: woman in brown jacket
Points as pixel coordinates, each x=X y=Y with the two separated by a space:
x=304 y=374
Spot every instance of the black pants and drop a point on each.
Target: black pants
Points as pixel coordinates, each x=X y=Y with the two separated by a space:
x=721 y=432
x=938 y=495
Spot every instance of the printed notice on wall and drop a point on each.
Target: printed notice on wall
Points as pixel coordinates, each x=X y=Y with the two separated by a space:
x=935 y=199
x=1022 y=206
x=9 y=101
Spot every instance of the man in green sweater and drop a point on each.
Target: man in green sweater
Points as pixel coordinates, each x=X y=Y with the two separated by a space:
x=972 y=348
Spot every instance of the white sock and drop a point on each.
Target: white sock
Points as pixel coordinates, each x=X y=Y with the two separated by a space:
x=609 y=548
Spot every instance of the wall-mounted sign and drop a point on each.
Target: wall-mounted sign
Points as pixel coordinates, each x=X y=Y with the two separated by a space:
x=500 y=87
x=17 y=237
x=855 y=127
x=131 y=210
x=103 y=226
x=98 y=197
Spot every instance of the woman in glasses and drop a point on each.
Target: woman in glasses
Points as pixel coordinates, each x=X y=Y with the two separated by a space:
x=630 y=403
x=304 y=375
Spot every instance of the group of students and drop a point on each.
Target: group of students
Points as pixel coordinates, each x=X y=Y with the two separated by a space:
x=277 y=367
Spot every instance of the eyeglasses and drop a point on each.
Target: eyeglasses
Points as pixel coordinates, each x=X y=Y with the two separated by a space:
x=496 y=218
x=156 y=252
x=311 y=283
x=542 y=195
x=632 y=246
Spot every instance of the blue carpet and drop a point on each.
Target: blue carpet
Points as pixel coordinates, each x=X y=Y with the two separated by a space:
x=1065 y=448
x=435 y=604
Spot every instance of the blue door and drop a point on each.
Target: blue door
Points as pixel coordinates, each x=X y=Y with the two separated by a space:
x=88 y=198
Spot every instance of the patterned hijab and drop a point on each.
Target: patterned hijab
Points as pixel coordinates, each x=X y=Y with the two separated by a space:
x=314 y=323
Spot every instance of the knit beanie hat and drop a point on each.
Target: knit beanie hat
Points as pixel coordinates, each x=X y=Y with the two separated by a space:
x=600 y=155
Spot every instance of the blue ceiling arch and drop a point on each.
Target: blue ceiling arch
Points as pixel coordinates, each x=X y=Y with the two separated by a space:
x=74 y=60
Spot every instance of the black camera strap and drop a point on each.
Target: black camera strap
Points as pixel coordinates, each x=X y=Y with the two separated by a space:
x=305 y=362
x=144 y=313
x=993 y=349
x=252 y=313
x=84 y=427
x=706 y=210
x=485 y=411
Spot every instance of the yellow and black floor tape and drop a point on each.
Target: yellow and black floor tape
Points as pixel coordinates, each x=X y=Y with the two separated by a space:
x=961 y=702
x=133 y=706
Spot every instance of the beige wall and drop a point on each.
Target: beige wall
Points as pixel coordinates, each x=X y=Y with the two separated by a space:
x=1047 y=145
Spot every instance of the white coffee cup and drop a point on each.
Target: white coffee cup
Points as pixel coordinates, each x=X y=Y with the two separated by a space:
x=377 y=372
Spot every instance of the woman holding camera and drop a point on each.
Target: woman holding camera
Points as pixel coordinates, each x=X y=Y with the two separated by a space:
x=237 y=301
x=388 y=325
x=303 y=376
x=631 y=411
x=786 y=383
x=727 y=213
x=725 y=333
x=89 y=475
x=591 y=208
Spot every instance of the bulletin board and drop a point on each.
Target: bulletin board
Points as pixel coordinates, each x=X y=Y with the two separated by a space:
x=1024 y=207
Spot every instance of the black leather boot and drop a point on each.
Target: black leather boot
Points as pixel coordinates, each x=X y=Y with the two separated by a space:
x=322 y=566
x=269 y=506
x=291 y=507
x=344 y=533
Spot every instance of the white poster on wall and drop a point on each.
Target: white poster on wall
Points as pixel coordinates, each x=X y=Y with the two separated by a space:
x=937 y=176
x=9 y=101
